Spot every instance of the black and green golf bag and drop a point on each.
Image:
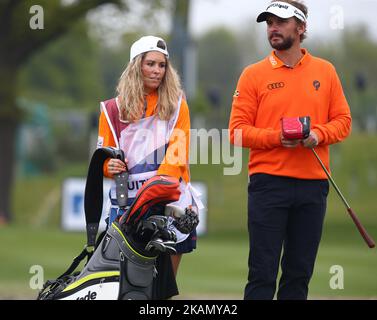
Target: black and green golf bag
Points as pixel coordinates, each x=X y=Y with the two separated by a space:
x=122 y=265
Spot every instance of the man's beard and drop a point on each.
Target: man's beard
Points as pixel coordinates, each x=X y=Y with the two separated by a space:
x=285 y=45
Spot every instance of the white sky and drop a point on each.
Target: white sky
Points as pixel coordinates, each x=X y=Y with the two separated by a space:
x=327 y=18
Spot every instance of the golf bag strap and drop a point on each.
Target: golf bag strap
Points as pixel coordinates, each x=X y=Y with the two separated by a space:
x=93 y=202
x=76 y=261
x=86 y=252
x=93 y=199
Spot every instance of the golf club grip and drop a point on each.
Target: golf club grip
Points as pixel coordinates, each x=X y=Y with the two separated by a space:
x=370 y=242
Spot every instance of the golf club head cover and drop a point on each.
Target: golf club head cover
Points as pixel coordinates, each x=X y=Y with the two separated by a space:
x=158 y=190
x=297 y=128
x=187 y=222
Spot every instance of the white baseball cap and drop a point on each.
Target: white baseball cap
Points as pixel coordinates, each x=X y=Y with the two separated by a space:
x=283 y=10
x=148 y=43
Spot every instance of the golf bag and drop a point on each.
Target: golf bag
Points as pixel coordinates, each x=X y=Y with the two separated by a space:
x=122 y=264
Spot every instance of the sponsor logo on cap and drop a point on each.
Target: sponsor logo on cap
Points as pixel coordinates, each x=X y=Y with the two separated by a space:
x=298 y=13
x=281 y=6
x=283 y=10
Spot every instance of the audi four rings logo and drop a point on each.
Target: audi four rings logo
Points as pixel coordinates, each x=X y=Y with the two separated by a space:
x=275 y=85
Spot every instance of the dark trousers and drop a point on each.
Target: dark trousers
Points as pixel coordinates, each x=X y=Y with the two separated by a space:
x=283 y=213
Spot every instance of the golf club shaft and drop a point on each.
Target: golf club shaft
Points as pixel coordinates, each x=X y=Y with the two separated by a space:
x=331 y=180
x=370 y=242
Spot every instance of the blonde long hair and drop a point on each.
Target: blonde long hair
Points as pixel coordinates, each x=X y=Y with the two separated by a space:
x=131 y=91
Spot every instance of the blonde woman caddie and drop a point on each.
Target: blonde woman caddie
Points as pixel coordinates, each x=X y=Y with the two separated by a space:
x=150 y=121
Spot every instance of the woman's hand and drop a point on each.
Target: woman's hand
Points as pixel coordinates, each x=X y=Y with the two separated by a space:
x=115 y=166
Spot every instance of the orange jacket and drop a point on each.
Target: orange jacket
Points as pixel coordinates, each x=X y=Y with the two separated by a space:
x=178 y=170
x=268 y=91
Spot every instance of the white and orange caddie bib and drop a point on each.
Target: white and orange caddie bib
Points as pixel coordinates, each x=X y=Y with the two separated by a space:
x=144 y=143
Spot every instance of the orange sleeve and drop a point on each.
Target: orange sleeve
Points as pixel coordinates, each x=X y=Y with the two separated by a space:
x=339 y=115
x=176 y=160
x=105 y=139
x=243 y=114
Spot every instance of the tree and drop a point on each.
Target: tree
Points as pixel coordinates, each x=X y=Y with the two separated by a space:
x=219 y=61
x=18 y=42
x=64 y=79
x=180 y=35
x=354 y=58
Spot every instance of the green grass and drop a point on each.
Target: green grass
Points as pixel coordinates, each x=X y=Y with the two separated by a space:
x=23 y=247
x=31 y=193
x=218 y=268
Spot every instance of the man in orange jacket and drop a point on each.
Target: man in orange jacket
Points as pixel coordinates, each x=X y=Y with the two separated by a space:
x=288 y=189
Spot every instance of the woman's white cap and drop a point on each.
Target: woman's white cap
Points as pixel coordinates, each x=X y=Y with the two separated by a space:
x=148 y=43
x=283 y=10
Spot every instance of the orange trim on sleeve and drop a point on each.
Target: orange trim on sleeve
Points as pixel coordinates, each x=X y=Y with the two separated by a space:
x=107 y=139
x=176 y=160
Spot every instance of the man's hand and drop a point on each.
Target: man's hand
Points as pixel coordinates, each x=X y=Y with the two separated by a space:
x=311 y=141
x=289 y=143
